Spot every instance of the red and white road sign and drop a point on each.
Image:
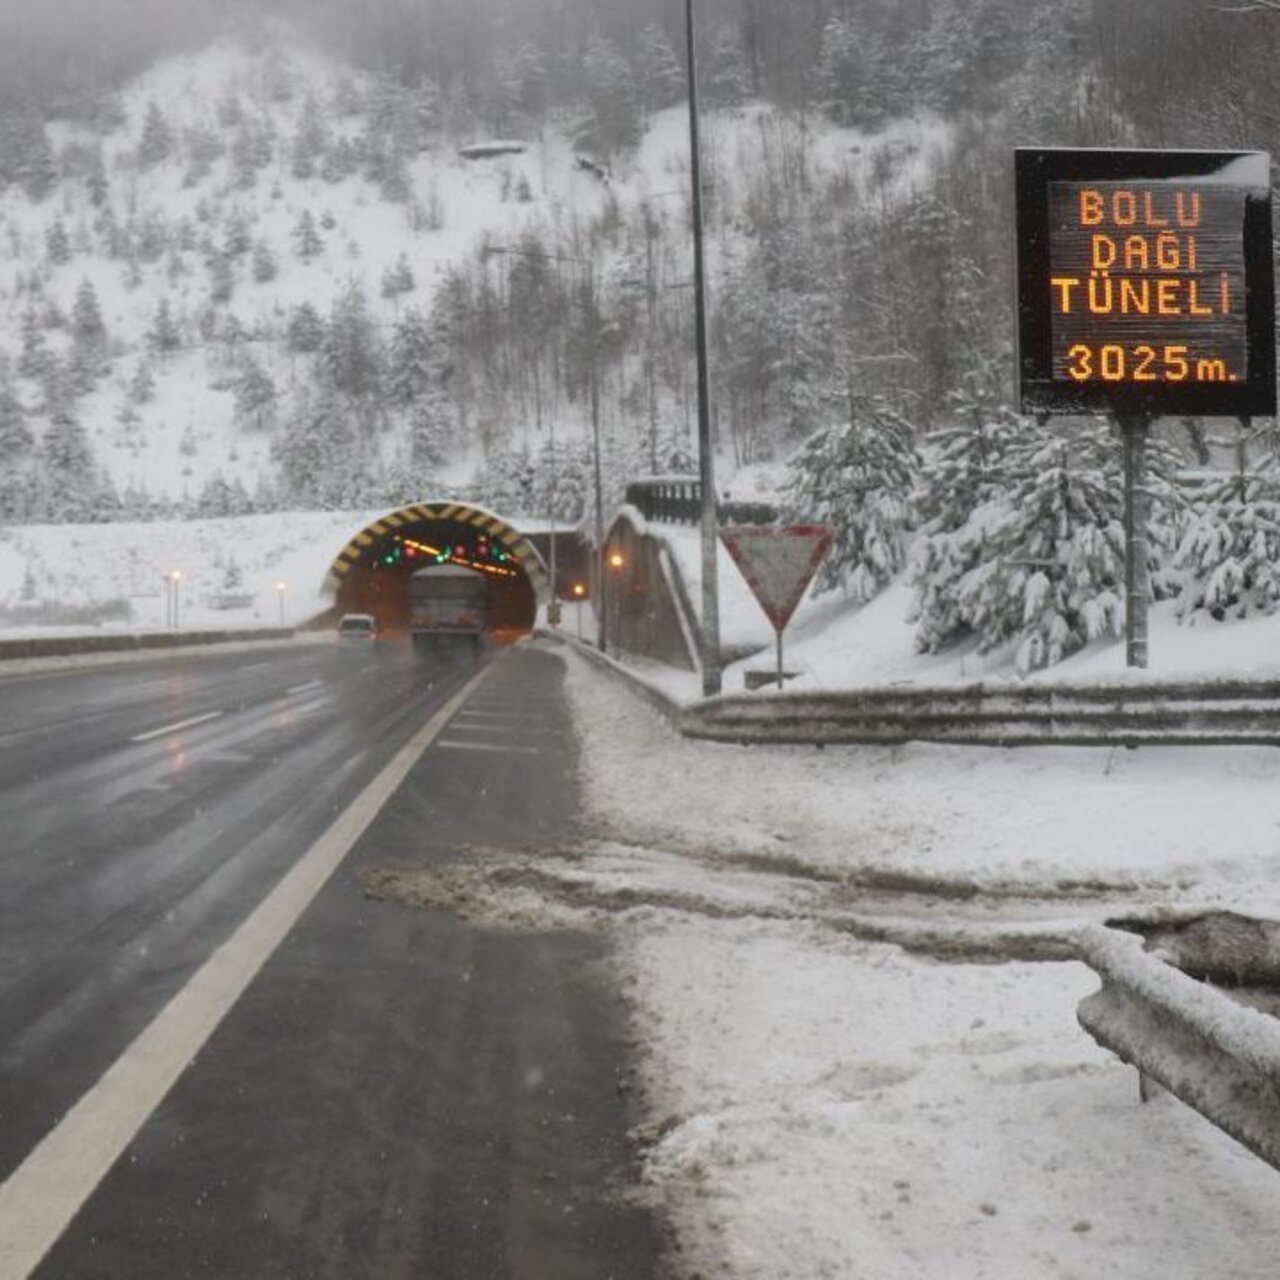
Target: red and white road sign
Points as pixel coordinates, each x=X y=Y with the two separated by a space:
x=778 y=562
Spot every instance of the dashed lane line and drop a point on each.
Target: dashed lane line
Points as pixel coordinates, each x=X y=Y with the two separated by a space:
x=456 y=744
x=42 y=1196
x=174 y=728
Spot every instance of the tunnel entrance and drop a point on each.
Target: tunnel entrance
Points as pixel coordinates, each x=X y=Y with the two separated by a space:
x=371 y=574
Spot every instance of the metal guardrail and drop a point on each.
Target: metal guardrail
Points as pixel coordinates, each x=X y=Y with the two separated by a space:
x=999 y=715
x=678 y=500
x=1216 y=1055
x=54 y=646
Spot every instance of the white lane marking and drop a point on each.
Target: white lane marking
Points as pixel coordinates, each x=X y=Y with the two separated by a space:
x=456 y=745
x=504 y=717
x=303 y=688
x=44 y=1193
x=174 y=728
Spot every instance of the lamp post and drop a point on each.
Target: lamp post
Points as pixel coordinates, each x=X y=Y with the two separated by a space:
x=706 y=461
x=173 y=581
x=280 y=594
x=593 y=392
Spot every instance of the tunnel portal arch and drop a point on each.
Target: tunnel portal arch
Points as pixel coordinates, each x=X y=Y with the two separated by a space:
x=371 y=573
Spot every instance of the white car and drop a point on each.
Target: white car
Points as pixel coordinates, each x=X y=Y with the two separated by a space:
x=357 y=631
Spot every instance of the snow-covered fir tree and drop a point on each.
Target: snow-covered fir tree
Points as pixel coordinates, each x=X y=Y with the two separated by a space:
x=308 y=243
x=156 y=143
x=305 y=331
x=966 y=464
x=857 y=477
x=1040 y=562
x=1229 y=555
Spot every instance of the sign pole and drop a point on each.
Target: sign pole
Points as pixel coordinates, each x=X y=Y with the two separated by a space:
x=780 y=676
x=1135 y=429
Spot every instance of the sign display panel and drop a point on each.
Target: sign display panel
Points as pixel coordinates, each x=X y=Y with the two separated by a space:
x=1145 y=282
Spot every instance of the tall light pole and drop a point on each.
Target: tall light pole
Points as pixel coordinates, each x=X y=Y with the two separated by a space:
x=174 y=580
x=706 y=460
x=593 y=391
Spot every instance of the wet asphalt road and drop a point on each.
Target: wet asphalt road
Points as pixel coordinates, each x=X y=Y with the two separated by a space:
x=396 y=1094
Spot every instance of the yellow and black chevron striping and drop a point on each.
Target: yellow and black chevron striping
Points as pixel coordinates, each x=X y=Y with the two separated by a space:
x=515 y=542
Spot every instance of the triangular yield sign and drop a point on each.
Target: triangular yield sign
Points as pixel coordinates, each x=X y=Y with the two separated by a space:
x=778 y=562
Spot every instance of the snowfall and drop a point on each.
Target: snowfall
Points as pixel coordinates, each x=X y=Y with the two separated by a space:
x=843 y=1069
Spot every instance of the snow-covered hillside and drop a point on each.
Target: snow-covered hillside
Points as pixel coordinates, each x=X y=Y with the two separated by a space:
x=158 y=291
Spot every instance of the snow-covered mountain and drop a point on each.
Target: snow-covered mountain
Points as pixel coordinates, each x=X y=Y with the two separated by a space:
x=173 y=261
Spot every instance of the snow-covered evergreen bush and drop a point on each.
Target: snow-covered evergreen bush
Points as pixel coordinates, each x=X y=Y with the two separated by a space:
x=1229 y=554
x=1039 y=559
x=858 y=478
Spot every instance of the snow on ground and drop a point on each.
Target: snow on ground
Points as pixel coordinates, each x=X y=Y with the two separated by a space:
x=822 y=1105
x=832 y=644
x=94 y=565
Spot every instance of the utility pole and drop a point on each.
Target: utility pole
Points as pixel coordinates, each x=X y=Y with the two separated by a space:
x=594 y=392
x=706 y=459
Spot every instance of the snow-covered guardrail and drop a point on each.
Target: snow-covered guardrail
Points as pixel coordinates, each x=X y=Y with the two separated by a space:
x=1216 y=1055
x=999 y=715
x=120 y=642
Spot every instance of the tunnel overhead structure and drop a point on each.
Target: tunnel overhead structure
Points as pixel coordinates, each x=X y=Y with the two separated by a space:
x=372 y=573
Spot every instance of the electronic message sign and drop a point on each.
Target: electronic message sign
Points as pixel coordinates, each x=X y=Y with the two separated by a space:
x=1145 y=282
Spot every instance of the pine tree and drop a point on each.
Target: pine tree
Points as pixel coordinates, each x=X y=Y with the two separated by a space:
x=16 y=438
x=255 y=396
x=307 y=241
x=237 y=239
x=1229 y=556
x=157 y=140
x=96 y=183
x=57 y=243
x=306 y=330
x=142 y=386
x=221 y=278
x=410 y=364
x=728 y=76
x=35 y=358
x=661 y=77
x=310 y=141
x=69 y=467
x=350 y=356
x=317 y=451
x=614 y=120
x=430 y=425
x=1040 y=563
x=163 y=335
x=858 y=478
x=264 y=263
x=966 y=465
x=398 y=279
x=87 y=326
x=38 y=170
x=506 y=483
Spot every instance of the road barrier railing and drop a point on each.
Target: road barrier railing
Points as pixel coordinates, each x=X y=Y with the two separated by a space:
x=1212 y=1052
x=999 y=714
x=123 y=642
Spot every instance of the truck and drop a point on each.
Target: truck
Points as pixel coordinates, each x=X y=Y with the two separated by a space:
x=448 y=612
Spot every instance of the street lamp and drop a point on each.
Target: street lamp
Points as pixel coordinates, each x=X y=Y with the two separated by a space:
x=706 y=462
x=172 y=580
x=593 y=391
x=280 y=593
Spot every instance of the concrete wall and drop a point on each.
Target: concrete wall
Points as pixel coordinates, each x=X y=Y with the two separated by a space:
x=647 y=609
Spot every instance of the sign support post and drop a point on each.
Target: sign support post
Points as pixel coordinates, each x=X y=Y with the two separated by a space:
x=1135 y=429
